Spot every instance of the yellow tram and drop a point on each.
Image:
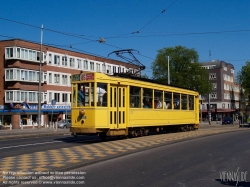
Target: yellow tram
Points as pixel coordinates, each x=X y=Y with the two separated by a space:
x=107 y=105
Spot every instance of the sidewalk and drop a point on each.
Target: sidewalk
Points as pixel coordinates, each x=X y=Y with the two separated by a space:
x=29 y=133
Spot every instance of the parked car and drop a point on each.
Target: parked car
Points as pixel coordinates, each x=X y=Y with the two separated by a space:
x=65 y=123
x=227 y=120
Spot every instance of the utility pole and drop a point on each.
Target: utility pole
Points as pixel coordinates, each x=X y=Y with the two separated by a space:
x=168 y=72
x=209 y=110
x=39 y=87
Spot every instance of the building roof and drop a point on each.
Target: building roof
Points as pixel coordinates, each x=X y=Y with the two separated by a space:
x=217 y=63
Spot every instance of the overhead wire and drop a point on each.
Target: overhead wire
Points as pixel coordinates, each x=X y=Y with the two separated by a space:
x=138 y=31
x=156 y=17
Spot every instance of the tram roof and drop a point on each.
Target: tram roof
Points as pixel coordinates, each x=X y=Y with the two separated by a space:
x=147 y=80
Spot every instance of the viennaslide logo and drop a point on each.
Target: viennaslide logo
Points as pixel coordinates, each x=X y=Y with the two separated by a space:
x=233 y=176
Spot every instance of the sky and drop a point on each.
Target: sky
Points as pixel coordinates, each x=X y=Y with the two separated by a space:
x=221 y=27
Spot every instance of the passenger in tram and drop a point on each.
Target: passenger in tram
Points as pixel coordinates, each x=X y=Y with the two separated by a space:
x=146 y=103
x=81 y=96
x=158 y=103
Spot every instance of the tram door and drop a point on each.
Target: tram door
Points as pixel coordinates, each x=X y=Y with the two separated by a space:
x=117 y=106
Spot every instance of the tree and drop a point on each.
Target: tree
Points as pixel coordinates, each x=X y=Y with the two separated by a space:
x=185 y=71
x=145 y=76
x=243 y=78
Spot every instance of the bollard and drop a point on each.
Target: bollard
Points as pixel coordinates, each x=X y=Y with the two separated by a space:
x=21 y=125
x=53 y=125
x=10 y=126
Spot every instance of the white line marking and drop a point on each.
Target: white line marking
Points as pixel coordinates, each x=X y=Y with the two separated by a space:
x=28 y=145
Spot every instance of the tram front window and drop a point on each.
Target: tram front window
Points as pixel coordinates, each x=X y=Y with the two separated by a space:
x=83 y=94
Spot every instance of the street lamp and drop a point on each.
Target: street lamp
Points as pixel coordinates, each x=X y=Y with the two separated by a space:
x=39 y=87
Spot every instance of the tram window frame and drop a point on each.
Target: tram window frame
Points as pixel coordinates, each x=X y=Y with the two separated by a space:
x=184 y=103
x=135 y=97
x=147 y=97
x=177 y=101
x=102 y=100
x=158 y=94
x=168 y=96
x=74 y=95
x=92 y=98
x=191 y=102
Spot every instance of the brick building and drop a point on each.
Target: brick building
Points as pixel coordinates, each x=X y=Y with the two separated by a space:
x=20 y=65
x=224 y=98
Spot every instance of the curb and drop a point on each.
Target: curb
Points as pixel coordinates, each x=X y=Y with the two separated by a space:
x=24 y=136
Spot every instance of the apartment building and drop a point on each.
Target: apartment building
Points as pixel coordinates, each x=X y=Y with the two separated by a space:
x=224 y=98
x=19 y=83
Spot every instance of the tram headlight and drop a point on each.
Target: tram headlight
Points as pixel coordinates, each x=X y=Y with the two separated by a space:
x=81 y=112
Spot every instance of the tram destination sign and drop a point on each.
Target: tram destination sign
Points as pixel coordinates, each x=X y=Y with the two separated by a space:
x=83 y=77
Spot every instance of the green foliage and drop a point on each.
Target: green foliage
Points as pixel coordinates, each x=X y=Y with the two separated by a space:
x=243 y=78
x=185 y=71
x=145 y=76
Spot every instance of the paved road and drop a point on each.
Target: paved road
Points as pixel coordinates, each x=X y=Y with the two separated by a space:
x=197 y=162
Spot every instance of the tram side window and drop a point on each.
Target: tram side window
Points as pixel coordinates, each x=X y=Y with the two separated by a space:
x=176 y=101
x=191 y=102
x=158 y=99
x=167 y=100
x=147 y=98
x=101 y=92
x=83 y=94
x=135 y=97
x=184 y=102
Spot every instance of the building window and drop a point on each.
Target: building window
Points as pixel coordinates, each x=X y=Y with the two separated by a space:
x=64 y=97
x=17 y=96
x=57 y=60
x=224 y=68
x=79 y=64
x=114 y=69
x=64 y=61
x=72 y=62
x=56 y=78
x=103 y=68
x=214 y=86
x=57 y=97
x=50 y=96
x=50 y=77
x=8 y=52
x=98 y=67
x=109 y=69
x=212 y=76
x=85 y=65
x=64 y=79
x=92 y=66
x=50 y=58
x=213 y=95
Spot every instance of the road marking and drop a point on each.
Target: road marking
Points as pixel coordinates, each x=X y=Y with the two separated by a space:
x=28 y=145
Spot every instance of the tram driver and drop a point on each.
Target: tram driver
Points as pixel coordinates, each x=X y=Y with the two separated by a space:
x=81 y=96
